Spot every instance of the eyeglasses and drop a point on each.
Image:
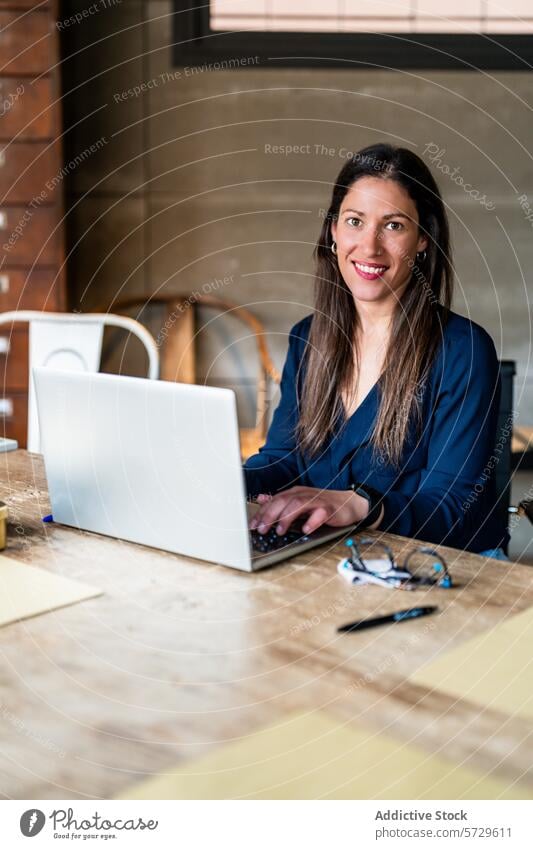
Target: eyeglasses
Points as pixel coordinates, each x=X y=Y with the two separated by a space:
x=423 y=566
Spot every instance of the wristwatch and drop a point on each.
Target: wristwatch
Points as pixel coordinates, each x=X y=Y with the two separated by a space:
x=374 y=499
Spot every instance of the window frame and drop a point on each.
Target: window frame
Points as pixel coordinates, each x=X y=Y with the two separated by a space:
x=194 y=43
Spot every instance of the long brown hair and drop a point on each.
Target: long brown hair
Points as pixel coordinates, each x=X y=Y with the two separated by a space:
x=331 y=358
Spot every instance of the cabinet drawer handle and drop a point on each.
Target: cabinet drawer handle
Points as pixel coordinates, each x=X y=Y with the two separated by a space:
x=4 y=284
x=6 y=407
x=2 y=158
x=3 y=220
x=4 y=345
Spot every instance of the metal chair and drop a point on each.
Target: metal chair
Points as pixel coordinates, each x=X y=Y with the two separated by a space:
x=72 y=341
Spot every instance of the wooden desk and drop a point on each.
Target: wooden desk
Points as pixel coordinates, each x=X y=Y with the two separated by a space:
x=180 y=656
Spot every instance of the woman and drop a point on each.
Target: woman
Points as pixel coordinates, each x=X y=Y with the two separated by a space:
x=389 y=400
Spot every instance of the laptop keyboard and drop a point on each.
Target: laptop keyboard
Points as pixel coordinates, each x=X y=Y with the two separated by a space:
x=271 y=541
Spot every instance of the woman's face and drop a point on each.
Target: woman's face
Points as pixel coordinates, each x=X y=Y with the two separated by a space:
x=377 y=239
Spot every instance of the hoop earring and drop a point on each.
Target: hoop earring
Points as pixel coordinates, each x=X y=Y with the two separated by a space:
x=421 y=258
x=334 y=248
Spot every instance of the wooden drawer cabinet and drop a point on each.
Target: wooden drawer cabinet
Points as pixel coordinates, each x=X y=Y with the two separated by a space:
x=25 y=42
x=14 y=357
x=23 y=4
x=39 y=289
x=14 y=416
x=26 y=109
x=28 y=236
x=25 y=169
x=31 y=200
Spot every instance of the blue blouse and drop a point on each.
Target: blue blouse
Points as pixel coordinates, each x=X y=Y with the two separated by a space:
x=443 y=489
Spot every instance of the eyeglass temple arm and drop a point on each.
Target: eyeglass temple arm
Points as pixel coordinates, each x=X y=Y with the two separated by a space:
x=356 y=553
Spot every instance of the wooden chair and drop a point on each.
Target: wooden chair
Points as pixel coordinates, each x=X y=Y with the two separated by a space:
x=176 y=341
x=522 y=447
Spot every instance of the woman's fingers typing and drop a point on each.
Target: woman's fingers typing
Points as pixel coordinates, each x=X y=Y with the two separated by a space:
x=291 y=511
x=323 y=506
x=279 y=507
x=284 y=508
x=316 y=519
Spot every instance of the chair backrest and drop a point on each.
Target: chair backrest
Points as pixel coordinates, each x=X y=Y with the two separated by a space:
x=73 y=342
x=502 y=474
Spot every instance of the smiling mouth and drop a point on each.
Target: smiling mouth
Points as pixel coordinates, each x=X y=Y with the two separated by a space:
x=369 y=271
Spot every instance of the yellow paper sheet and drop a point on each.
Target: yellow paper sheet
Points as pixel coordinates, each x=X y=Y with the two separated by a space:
x=27 y=591
x=494 y=669
x=311 y=756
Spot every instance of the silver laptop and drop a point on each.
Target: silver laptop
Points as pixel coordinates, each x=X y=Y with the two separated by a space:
x=156 y=463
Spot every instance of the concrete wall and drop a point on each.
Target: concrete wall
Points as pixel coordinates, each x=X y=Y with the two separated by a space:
x=184 y=191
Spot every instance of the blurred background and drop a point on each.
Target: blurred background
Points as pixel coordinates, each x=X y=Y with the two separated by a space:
x=192 y=153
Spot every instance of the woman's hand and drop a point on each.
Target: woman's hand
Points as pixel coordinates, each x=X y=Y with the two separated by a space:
x=324 y=506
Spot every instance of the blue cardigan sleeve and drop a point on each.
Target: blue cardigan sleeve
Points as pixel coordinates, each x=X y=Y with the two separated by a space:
x=447 y=507
x=275 y=466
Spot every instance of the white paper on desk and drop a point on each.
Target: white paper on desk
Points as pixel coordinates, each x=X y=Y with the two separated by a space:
x=27 y=591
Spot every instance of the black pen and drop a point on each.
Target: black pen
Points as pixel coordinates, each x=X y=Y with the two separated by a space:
x=399 y=616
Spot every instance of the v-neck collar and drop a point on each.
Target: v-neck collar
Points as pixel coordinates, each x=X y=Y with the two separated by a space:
x=358 y=428
x=371 y=392
x=347 y=438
